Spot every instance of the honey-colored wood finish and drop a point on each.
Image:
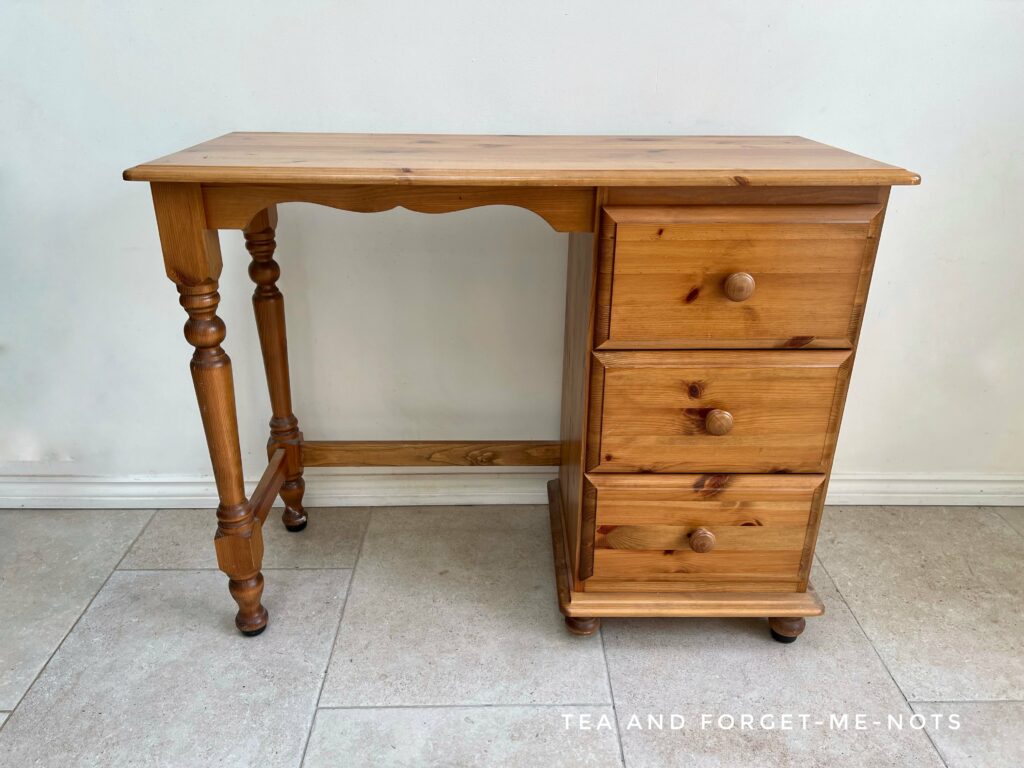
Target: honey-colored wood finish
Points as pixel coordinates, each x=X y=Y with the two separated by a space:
x=566 y=209
x=192 y=260
x=700 y=532
x=588 y=605
x=269 y=486
x=498 y=161
x=715 y=293
x=268 y=305
x=581 y=285
x=736 y=276
x=430 y=453
x=654 y=410
x=665 y=196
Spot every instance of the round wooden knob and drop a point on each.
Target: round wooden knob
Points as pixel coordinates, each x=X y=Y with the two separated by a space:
x=718 y=422
x=702 y=540
x=739 y=286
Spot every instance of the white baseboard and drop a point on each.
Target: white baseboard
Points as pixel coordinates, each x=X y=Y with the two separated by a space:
x=932 y=489
x=334 y=488
x=324 y=488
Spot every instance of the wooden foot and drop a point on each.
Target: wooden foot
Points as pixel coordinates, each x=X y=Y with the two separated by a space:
x=239 y=544
x=251 y=618
x=786 y=629
x=268 y=305
x=582 y=626
x=294 y=515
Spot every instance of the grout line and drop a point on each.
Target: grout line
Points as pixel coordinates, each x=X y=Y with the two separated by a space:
x=152 y=514
x=337 y=631
x=611 y=694
x=1002 y=517
x=316 y=714
x=880 y=659
x=526 y=705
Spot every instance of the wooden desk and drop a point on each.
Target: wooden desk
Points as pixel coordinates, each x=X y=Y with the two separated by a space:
x=715 y=292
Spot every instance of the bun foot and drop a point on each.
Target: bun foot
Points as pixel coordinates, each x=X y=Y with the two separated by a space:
x=786 y=629
x=294 y=520
x=252 y=625
x=581 y=626
x=294 y=516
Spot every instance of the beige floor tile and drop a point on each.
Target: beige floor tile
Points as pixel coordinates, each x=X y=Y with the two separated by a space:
x=990 y=734
x=183 y=538
x=456 y=605
x=939 y=591
x=155 y=674
x=52 y=562
x=467 y=737
x=1014 y=516
x=731 y=667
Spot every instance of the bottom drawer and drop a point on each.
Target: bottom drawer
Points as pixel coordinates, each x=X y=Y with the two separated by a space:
x=670 y=533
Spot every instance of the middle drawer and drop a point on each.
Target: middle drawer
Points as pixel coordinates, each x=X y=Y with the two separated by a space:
x=714 y=411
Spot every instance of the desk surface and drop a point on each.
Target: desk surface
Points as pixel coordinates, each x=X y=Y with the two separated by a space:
x=441 y=159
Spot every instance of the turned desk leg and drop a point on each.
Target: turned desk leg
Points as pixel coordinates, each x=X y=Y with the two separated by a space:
x=268 y=305
x=193 y=262
x=239 y=539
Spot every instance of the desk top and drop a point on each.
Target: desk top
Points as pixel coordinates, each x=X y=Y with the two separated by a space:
x=582 y=161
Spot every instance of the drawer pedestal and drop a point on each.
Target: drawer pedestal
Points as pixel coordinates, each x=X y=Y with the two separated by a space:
x=709 y=347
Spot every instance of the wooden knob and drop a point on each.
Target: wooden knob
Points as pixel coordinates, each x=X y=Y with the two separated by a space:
x=718 y=422
x=702 y=540
x=739 y=286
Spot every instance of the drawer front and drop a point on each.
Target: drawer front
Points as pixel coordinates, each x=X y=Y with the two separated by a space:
x=745 y=533
x=736 y=276
x=715 y=411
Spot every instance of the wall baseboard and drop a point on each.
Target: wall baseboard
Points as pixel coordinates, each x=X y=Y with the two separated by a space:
x=334 y=488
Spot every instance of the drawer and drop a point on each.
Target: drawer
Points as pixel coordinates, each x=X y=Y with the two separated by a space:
x=735 y=276
x=745 y=533
x=715 y=411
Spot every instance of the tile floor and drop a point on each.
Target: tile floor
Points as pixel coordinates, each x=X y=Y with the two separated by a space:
x=430 y=637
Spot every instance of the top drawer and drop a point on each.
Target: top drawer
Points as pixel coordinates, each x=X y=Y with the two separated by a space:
x=734 y=276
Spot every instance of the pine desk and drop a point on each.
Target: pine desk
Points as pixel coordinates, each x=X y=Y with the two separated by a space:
x=715 y=292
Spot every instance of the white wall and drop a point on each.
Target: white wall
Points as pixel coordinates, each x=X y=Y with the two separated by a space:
x=405 y=325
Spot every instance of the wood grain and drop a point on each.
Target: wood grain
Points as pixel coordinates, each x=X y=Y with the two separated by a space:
x=645 y=525
x=782 y=602
x=268 y=308
x=265 y=493
x=744 y=195
x=494 y=161
x=654 y=405
x=430 y=453
x=192 y=260
x=566 y=209
x=668 y=228
x=191 y=250
x=579 y=303
x=672 y=269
